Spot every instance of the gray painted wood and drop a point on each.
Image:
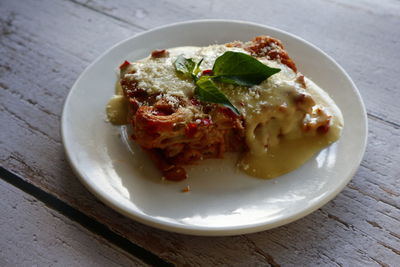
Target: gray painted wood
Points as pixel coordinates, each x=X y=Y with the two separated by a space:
x=34 y=235
x=45 y=45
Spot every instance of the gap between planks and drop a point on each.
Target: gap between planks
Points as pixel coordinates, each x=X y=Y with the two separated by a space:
x=79 y=217
x=374 y=117
x=377 y=118
x=107 y=14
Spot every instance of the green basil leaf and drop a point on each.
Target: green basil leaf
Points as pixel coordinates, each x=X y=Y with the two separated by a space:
x=187 y=67
x=196 y=70
x=207 y=91
x=184 y=66
x=241 y=69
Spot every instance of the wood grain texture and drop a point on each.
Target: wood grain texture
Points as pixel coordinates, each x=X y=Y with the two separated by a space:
x=45 y=45
x=34 y=235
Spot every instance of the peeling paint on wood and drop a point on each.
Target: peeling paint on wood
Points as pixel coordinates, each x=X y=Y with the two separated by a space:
x=41 y=56
x=33 y=234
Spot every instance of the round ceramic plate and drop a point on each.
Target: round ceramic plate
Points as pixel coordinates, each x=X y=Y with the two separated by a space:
x=222 y=200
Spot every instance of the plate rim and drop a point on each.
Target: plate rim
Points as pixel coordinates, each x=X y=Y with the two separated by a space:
x=216 y=230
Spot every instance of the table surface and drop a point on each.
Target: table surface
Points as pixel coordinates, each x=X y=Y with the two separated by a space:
x=48 y=218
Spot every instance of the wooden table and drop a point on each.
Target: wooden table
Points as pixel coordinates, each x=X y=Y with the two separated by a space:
x=47 y=217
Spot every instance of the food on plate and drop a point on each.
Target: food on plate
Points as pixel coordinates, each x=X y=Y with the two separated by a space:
x=186 y=104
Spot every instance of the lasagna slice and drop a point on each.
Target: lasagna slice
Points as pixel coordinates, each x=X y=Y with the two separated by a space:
x=281 y=122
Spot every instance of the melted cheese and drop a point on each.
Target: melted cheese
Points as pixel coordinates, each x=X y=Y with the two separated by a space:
x=271 y=155
x=117 y=107
x=274 y=124
x=158 y=75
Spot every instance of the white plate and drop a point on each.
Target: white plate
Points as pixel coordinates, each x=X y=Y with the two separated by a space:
x=222 y=201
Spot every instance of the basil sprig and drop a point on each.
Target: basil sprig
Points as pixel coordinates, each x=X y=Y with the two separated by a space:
x=187 y=67
x=241 y=69
x=207 y=91
x=232 y=67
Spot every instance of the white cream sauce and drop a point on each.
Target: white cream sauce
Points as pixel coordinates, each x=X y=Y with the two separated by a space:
x=117 y=107
x=284 y=154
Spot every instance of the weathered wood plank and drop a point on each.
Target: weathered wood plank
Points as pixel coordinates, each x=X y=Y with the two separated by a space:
x=362 y=35
x=359 y=227
x=34 y=235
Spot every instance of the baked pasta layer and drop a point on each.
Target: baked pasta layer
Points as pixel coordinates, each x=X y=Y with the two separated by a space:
x=286 y=117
